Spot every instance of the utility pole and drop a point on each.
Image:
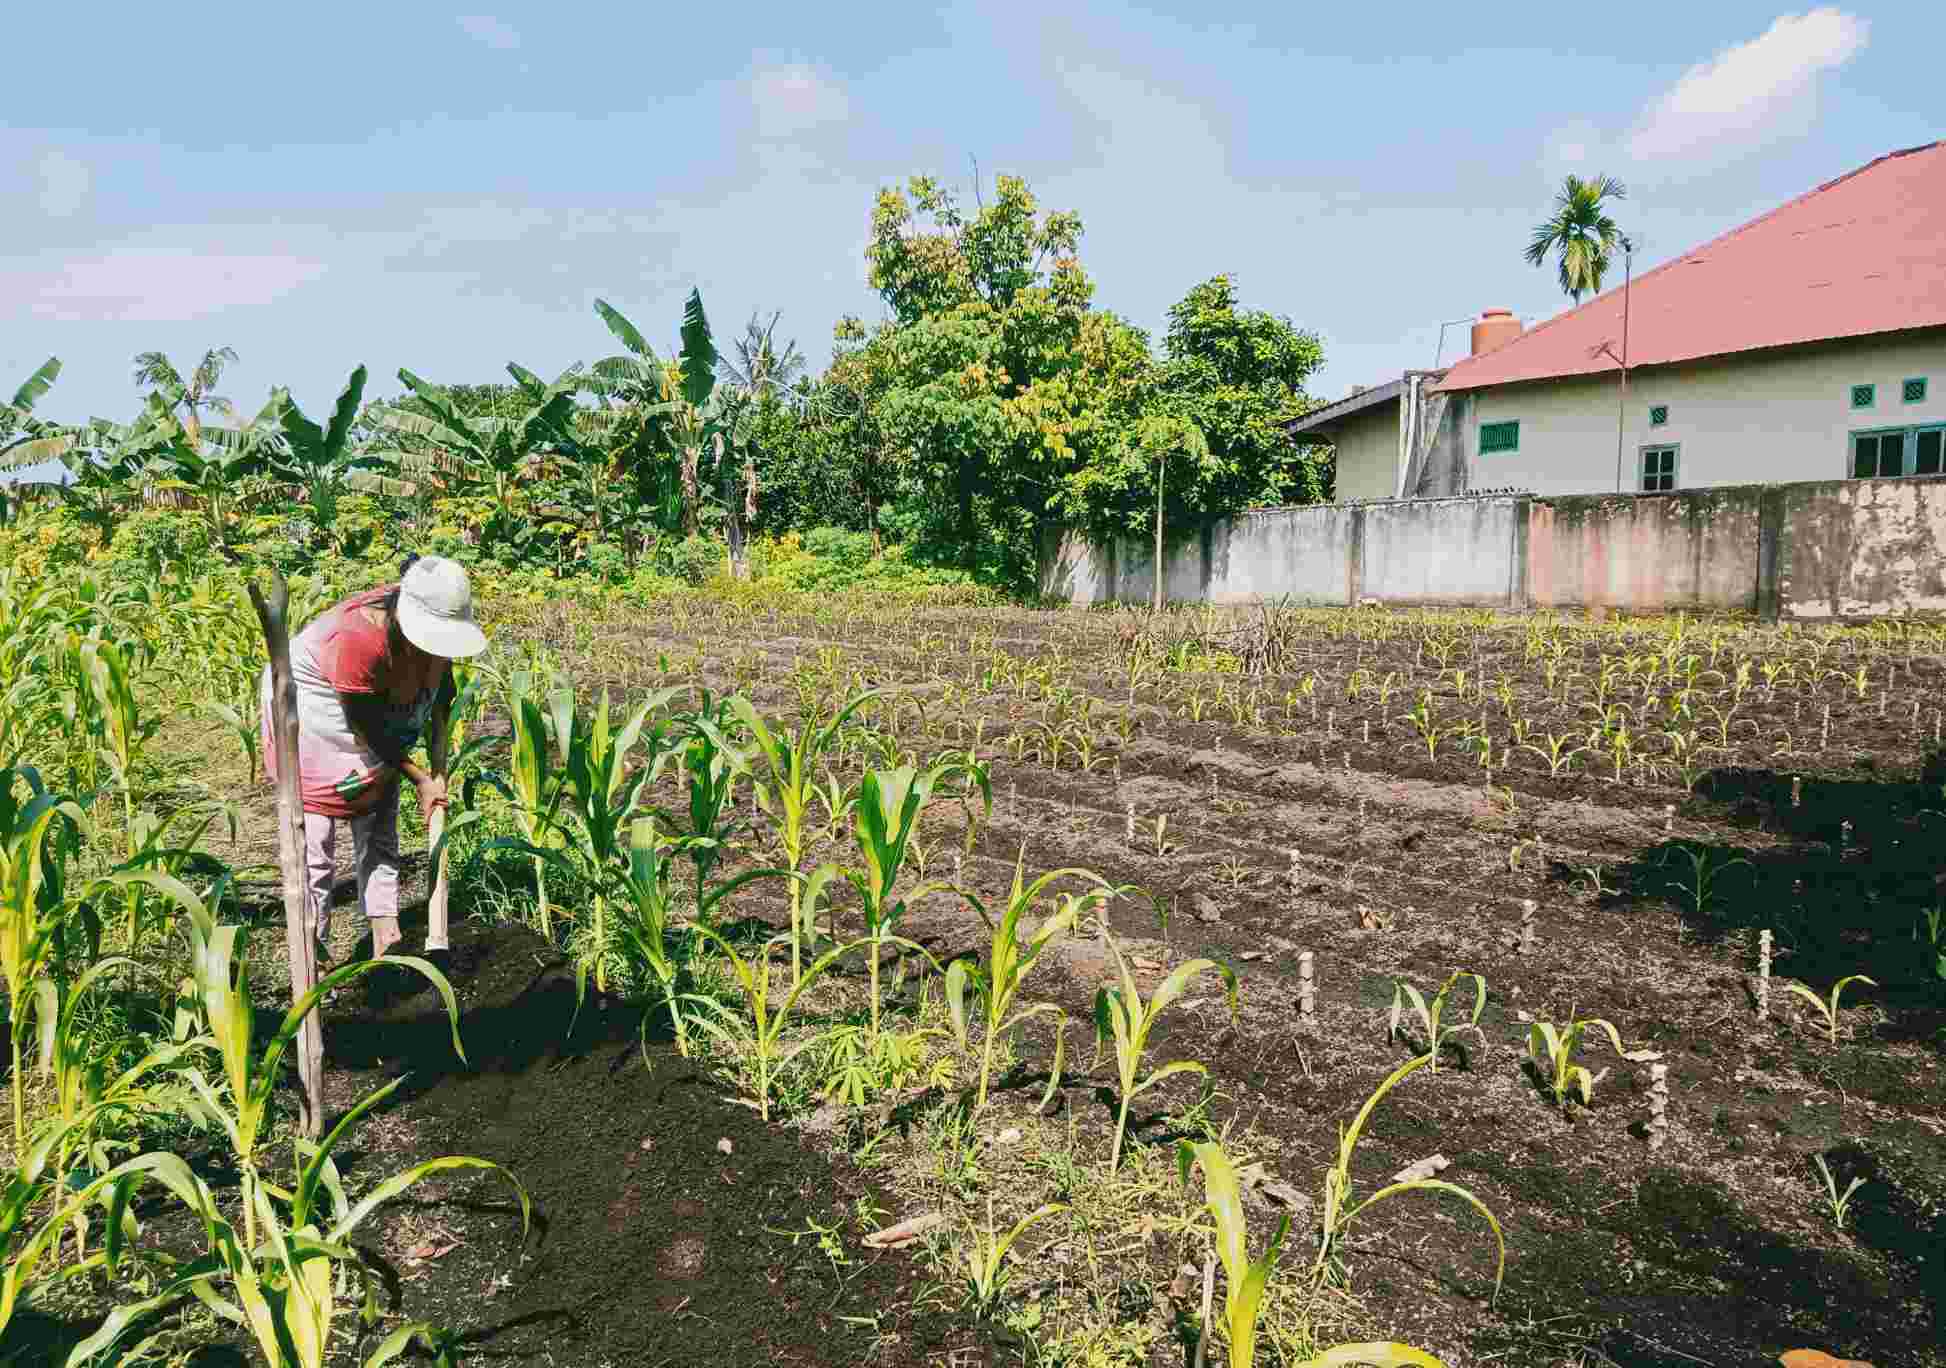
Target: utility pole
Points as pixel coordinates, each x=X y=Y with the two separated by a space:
x=1621 y=405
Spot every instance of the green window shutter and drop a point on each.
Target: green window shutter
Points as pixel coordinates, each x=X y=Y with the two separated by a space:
x=1913 y=391
x=1658 y=415
x=1864 y=396
x=1499 y=437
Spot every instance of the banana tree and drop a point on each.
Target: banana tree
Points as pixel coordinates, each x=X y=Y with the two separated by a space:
x=491 y=455
x=24 y=439
x=671 y=413
x=320 y=459
x=214 y=466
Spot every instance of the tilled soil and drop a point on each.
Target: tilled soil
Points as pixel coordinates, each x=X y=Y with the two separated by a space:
x=1716 y=1249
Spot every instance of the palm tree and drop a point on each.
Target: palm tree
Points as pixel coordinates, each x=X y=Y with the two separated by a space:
x=1579 y=234
x=156 y=372
x=758 y=371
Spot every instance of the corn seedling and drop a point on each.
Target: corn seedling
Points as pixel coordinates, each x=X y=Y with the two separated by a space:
x=887 y=815
x=1009 y=960
x=1705 y=869
x=987 y=1273
x=1245 y=1281
x=761 y=1037
x=1339 y=1210
x=1836 y=1202
x=1121 y=1015
x=1559 y=753
x=1428 y=1015
x=1551 y=1049
x=1828 y=1007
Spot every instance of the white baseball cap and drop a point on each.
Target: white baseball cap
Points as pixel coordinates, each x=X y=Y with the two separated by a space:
x=436 y=609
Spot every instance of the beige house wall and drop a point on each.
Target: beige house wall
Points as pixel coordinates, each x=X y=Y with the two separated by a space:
x=1762 y=417
x=1367 y=447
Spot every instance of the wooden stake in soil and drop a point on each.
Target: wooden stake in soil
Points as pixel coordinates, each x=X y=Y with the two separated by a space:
x=300 y=934
x=1797 y=790
x=438 y=741
x=1763 y=974
x=1128 y=827
x=1528 y=907
x=1307 y=995
x=1658 y=1105
x=1209 y=1302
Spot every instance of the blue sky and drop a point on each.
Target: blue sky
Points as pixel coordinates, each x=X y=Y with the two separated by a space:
x=403 y=185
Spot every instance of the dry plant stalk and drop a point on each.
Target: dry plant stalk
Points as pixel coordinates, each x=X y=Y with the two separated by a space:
x=1763 y=974
x=1128 y=829
x=1658 y=1105
x=1668 y=818
x=1797 y=790
x=1307 y=993
x=1525 y=943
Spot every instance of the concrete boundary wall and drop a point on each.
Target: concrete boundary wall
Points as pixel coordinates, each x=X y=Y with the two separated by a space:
x=1816 y=550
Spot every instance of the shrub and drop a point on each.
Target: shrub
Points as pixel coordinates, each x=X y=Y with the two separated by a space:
x=694 y=559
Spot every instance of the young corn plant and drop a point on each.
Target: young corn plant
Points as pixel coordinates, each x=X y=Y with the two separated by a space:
x=1121 y=1015
x=1828 y=1007
x=987 y=1272
x=645 y=932
x=887 y=815
x=788 y=789
x=1009 y=960
x=1245 y=1281
x=711 y=765
x=1836 y=1202
x=535 y=786
x=760 y=1039
x=1551 y=1049
x=33 y=866
x=1338 y=1209
x=602 y=798
x=1429 y=1015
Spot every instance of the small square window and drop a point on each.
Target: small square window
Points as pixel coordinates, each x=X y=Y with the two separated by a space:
x=1498 y=437
x=1658 y=415
x=1864 y=396
x=1658 y=469
x=1913 y=391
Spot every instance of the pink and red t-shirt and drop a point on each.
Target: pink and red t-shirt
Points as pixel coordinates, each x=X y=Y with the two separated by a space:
x=344 y=651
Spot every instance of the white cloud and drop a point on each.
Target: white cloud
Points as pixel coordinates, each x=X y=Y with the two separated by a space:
x=494 y=33
x=796 y=98
x=159 y=284
x=1742 y=92
x=1747 y=95
x=64 y=184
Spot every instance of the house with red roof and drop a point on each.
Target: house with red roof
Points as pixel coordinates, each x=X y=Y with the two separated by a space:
x=1808 y=344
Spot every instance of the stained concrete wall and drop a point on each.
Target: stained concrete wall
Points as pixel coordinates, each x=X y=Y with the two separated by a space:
x=1812 y=550
x=1862 y=549
x=1696 y=551
x=1441 y=551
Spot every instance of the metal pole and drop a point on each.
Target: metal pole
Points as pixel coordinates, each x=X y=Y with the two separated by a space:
x=1621 y=405
x=1161 y=464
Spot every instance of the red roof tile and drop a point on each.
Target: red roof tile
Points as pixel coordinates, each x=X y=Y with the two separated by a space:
x=1865 y=253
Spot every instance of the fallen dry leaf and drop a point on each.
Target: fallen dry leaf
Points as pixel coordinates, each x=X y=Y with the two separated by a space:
x=1817 y=1358
x=905 y=1232
x=1429 y=1167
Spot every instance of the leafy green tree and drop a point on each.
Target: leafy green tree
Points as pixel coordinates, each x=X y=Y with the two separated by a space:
x=1579 y=234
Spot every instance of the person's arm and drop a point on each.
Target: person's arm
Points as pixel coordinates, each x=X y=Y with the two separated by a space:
x=366 y=715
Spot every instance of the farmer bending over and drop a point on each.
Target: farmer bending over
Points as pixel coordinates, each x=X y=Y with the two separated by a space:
x=370 y=674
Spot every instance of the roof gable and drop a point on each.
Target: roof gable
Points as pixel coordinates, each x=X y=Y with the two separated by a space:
x=1865 y=253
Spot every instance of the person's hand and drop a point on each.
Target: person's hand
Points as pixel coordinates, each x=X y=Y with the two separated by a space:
x=432 y=796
